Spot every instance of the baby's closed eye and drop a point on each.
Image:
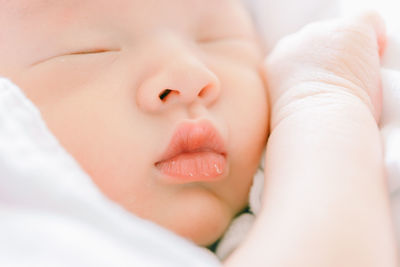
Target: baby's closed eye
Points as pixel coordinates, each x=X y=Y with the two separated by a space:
x=61 y=56
x=232 y=47
x=73 y=68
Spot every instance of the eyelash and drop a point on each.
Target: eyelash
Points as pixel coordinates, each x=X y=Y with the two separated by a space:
x=233 y=42
x=89 y=52
x=221 y=39
x=77 y=53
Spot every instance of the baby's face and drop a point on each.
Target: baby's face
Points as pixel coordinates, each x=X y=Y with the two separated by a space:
x=115 y=80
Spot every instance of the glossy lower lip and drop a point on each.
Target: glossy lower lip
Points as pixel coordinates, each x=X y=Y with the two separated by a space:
x=195 y=166
x=196 y=153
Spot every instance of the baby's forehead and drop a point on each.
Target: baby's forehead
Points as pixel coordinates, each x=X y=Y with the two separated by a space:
x=19 y=12
x=230 y=15
x=44 y=24
x=27 y=8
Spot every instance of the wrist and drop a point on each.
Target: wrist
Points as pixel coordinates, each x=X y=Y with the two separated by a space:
x=317 y=98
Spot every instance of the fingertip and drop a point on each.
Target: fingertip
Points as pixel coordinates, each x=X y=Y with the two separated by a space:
x=382 y=41
x=374 y=19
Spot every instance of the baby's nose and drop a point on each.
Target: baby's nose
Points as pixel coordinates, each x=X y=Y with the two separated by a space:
x=180 y=82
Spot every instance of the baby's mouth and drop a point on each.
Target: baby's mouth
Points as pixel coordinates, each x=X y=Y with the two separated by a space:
x=196 y=153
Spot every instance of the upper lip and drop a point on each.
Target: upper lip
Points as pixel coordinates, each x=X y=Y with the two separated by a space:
x=194 y=137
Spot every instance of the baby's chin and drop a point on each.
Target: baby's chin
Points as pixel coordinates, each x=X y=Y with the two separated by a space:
x=199 y=217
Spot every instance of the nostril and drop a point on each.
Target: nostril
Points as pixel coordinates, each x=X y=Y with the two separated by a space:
x=164 y=94
x=205 y=90
x=189 y=95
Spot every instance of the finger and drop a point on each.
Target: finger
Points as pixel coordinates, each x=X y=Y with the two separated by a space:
x=374 y=20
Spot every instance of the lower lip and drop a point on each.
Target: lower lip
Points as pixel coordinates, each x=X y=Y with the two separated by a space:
x=195 y=166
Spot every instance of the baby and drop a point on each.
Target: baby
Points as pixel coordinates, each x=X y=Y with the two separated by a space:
x=127 y=95
x=164 y=104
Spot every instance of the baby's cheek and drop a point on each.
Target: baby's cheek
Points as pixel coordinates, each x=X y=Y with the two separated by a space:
x=197 y=213
x=246 y=112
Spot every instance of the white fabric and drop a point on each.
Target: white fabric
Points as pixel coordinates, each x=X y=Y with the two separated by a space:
x=51 y=214
x=276 y=19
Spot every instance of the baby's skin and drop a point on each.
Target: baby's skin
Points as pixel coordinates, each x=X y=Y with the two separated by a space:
x=115 y=80
x=96 y=69
x=325 y=197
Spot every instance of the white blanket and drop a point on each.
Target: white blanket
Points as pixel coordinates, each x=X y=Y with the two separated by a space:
x=51 y=214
